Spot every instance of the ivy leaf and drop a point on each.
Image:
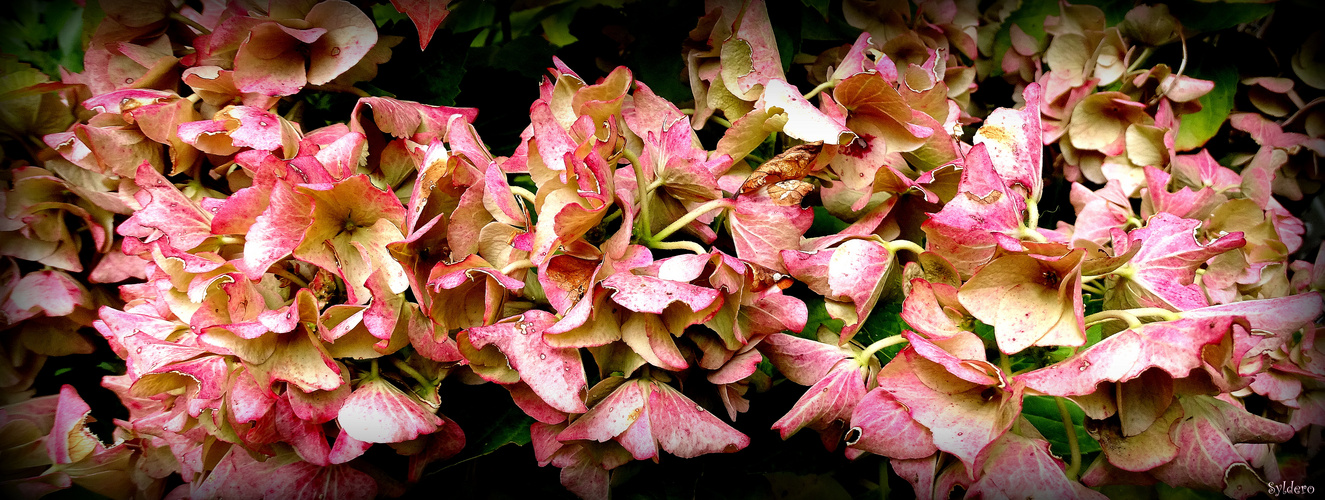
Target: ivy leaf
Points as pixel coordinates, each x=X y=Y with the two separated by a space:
x=1197 y=128
x=1042 y=412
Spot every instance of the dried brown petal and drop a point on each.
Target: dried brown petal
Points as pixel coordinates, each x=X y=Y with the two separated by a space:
x=789 y=192
x=794 y=163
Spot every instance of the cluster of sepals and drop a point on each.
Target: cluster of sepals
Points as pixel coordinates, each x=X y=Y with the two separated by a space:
x=301 y=295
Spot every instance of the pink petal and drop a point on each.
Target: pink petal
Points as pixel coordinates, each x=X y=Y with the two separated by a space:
x=378 y=412
x=426 y=14
x=556 y=375
x=685 y=429
x=881 y=425
x=1172 y=346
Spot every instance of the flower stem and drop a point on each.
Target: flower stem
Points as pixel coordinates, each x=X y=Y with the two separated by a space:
x=190 y=23
x=866 y=355
x=372 y=370
x=518 y=265
x=896 y=245
x=822 y=87
x=689 y=217
x=344 y=89
x=721 y=121
x=290 y=277
x=524 y=193
x=409 y=370
x=1131 y=316
x=1005 y=364
x=678 y=245
x=642 y=192
x=1092 y=288
x=1075 y=466
x=1031 y=230
x=1145 y=54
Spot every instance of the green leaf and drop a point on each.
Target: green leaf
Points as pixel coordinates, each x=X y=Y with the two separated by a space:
x=1207 y=16
x=832 y=28
x=511 y=426
x=787 y=29
x=1093 y=336
x=556 y=27
x=471 y=15
x=75 y=492
x=62 y=371
x=825 y=224
x=1043 y=413
x=818 y=316
x=384 y=13
x=819 y=5
x=986 y=333
x=1197 y=128
x=1167 y=492
x=45 y=34
x=885 y=321
x=657 y=64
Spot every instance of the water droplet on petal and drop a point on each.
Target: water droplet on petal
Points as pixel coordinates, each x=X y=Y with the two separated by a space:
x=542 y=356
x=335 y=51
x=959 y=434
x=139 y=350
x=699 y=408
x=262 y=124
x=128 y=80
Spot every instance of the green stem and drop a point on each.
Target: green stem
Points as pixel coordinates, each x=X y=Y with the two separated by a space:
x=642 y=192
x=1114 y=314
x=524 y=193
x=409 y=370
x=884 y=489
x=230 y=240
x=1005 y=364
x=611 y=217
x=518 y=265
x=678 y=245
x=1145 y=54
x=291 y=277
x=372 y=370
x=1157 y=312
x=896 y=245
x=1031 y=228
x=1092 y=289
x=689 y=217
x=657 y=183
x=866 y=355
x=1131 y=316
x=190 y=23
x=344 y=89
x=721 y=121
x=1075 y=466
x=822 y=87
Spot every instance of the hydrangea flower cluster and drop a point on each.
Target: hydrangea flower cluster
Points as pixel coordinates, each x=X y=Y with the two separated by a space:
x=287 y=299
